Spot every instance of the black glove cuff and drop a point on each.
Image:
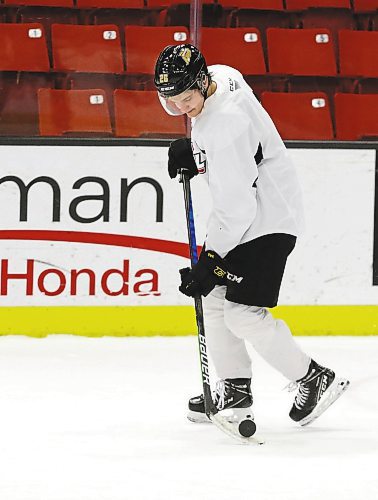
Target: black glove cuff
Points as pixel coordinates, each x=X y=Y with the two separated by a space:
x=215 y=264
x=209 y=271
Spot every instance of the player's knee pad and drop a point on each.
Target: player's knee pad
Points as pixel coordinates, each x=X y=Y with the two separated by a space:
x=251 y=323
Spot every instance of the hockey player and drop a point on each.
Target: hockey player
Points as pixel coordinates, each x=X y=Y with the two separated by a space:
x=255 y=219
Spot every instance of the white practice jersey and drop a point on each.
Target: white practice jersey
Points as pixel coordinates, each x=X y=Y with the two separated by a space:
x=248 y=201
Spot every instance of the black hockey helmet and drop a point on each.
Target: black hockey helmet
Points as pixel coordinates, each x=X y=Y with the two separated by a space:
x=179 y=68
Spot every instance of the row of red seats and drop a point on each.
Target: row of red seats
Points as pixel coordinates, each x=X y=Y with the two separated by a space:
x=98 y=49
x=137 y=113
x=221 y=13
x=279 y=5
x=178 y=14
x=304 y=116
x=19 y=100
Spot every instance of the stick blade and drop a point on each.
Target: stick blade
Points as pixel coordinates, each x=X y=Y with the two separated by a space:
x=232 y=430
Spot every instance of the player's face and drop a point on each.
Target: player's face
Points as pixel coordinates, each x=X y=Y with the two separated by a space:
x=189 y=102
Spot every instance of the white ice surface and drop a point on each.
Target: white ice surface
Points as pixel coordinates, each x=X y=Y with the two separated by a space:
x=104 y=419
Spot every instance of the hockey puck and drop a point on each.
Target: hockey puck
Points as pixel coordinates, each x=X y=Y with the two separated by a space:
x=247 y=428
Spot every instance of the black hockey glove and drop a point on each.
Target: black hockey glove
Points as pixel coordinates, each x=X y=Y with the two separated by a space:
x=209 y=271
x=180 y=156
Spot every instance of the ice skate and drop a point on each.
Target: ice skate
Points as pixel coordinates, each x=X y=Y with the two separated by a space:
x=233 y=398
x=317 y=390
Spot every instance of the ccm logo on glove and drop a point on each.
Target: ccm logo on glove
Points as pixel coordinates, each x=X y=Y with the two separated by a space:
x=218 y=271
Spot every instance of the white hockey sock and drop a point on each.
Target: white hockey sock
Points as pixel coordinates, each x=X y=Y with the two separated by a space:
x=271 y=338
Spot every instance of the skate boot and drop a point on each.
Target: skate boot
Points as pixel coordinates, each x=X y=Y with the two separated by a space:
x=317 y=390
x=233 y=398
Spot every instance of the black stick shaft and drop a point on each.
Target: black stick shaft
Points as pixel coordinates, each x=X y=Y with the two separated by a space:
x=210 y=407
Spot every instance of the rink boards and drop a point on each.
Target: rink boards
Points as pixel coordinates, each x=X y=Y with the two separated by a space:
x=91 y=239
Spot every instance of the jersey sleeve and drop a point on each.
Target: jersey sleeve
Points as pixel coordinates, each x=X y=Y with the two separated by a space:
x=232 y=173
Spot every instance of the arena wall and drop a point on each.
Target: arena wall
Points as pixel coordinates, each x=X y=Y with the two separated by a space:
x=91 y=239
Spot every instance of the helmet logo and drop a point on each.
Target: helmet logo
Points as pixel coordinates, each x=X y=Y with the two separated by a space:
x=186 y=55
x=163 y=78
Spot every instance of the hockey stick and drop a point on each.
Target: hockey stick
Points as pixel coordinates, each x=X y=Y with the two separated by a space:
x=210 y=409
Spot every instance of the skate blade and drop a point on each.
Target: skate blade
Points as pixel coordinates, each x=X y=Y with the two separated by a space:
x=232 y=430
x=334 y=391
x=197 y=417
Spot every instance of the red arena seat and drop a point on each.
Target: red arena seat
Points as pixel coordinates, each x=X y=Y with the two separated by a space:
x=47 y=3
x=23 y=47
x=259 y=14
x=306 y=4
x=90 y=49
x=358 y=53
x=177 y=12
x=110 y=4
x=303 y=52
x=73 y=111
x=300 y=116
x=237 y=47
x=365 y=5
x=254 y=4
x=139 y=113
x=168 y=3
x=356 y=116
x=19 y=102
x=366 y=12
x=46 y=15
x=331 y=14
x=118 y=12
x=144 y=44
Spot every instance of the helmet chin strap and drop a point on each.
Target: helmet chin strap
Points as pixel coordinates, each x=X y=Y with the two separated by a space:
x=205 y=95
x=201 y=85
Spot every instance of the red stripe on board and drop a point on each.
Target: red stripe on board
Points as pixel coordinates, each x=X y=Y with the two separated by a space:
x=117 y=240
